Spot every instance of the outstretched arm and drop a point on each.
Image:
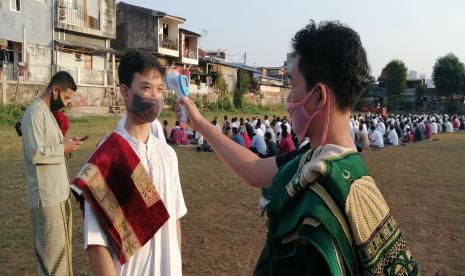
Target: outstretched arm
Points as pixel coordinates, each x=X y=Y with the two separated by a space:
x=252 y=169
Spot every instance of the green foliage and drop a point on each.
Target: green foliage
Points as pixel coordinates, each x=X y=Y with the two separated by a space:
x=10 y=114
x=396 y=76
x=449 y=75
x=224 y=99
x=170 y=99
x=243 y=84
x=215 y=75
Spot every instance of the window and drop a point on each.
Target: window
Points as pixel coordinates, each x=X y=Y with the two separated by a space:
x=165 y=29
x=15 y=5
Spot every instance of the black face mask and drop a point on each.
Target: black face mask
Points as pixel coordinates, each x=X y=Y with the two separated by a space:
x=146 y=109
x=57 y=104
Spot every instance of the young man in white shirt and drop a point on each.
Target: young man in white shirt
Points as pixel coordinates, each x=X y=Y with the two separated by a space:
x=449 y=127
x=266 y=122
x=254 y=122
x=141 y=77
x=434 y=127
x=376 y=138
x=382 y=127
x=258 y=144
x=392 y=138
x=258 y=129
x=277 y=129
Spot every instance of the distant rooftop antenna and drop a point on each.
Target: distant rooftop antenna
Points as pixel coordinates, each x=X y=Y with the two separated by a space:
x=204 y=32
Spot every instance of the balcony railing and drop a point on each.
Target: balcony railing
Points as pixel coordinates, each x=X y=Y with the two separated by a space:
x=74 y=14
x=190 y=53
x=168 y=42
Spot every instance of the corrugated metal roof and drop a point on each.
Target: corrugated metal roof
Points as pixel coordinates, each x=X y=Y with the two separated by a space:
x=92 y=48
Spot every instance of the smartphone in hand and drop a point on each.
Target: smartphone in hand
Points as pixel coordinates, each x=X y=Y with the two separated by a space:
x=83 y=138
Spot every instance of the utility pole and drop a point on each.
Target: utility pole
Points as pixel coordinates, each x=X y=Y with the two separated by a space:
x=245 y=57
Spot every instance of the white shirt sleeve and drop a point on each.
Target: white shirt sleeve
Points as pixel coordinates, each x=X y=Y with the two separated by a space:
x=157 y=130
x=181 y=209
x=93 y=234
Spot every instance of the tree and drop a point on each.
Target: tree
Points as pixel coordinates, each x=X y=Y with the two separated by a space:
x=395 y=76
x=243 y=84
x=448 y=75
x=224 y=100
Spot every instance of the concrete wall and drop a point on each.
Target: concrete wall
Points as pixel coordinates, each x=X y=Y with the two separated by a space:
x=98 y=62
x=271 y=89
x=38 y=60
x=136 y=30
x=88 y=95
x=21 y=93
x=35 y=16
x=264 y=100
x=67 y=59
x=108 y=18
x=283 y=92
x=230 y=76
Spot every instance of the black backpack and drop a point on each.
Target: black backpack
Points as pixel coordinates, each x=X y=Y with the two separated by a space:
x=18 y=127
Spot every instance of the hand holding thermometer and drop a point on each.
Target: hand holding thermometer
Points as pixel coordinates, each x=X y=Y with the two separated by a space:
x=180 y=84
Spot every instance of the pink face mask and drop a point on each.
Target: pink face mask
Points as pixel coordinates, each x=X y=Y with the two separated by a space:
x=301 y=120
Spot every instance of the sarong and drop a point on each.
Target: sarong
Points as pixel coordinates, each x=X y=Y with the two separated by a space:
x=52 y=239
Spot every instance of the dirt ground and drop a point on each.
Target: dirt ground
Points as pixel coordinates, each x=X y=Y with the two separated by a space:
x=223 y=233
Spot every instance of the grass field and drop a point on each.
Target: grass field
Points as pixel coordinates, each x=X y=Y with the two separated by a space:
x=223 y=232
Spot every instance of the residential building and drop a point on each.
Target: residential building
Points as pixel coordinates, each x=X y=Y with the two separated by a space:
x=83 y=30
x=188 y=52
x=25 y=39
x=155 y=32
x=41 y=37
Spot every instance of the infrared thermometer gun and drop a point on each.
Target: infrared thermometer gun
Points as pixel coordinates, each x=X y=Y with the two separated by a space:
x=180 y=84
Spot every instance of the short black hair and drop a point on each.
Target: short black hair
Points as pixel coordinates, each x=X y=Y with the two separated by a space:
x=284 y=132
x=268 y=136
x=64 y=80
x=332 y=53
x=136 y=61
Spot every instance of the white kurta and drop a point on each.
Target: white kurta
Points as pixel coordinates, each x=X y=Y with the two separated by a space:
x=161 y=254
